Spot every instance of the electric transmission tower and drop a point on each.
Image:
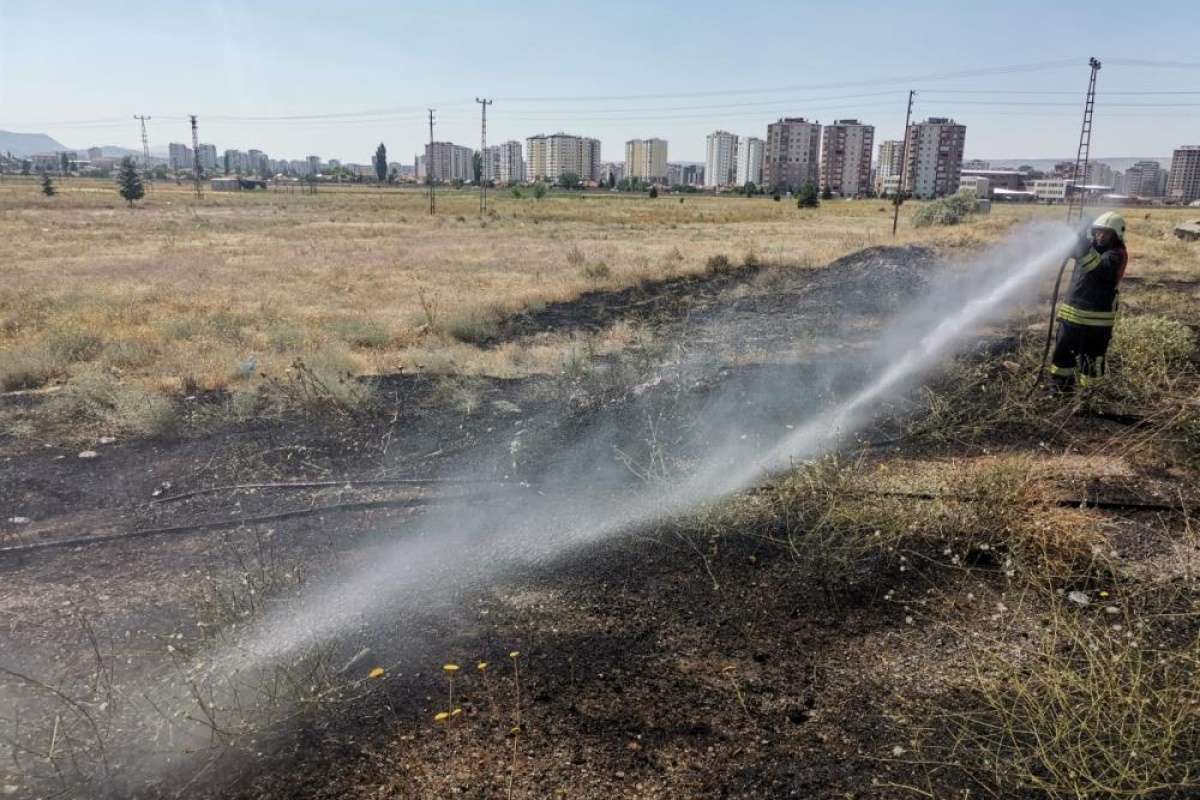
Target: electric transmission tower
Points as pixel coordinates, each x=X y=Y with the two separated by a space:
x=483 y=104
x=145 y=145
x=1076 y=198
x=195 y=155
x=903 y=162
x=429 y=163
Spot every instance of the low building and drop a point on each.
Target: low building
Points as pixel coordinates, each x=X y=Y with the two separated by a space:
x=999 y=178
x=981 y=186
x=1051 y=190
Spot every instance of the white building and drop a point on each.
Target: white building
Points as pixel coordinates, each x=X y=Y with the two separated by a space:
x=749 y=161
x=720 y=159
x=447 y=162
x=981 y=186
x=512 y=164
x=1051 y=190
x=891 y=156
x=549 y=157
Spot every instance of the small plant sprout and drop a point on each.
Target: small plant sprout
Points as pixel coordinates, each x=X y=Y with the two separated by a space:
x=441 y=716
x=376 y=673
x=481 y=666
x=514 y=655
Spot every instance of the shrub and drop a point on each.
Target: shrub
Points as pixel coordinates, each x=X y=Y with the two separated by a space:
x=361 y=333
x=808 y=196
x=597 y=272
x=653 y=192
x=472 y=327
x=96 y=398
x=539 y=191
x=27 y=369
x=71 y=345
x=1148 y=356
x=718 y=264
x=947 y=211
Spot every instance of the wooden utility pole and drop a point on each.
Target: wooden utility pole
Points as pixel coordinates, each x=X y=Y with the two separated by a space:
x=483 y=104
x=903 y=162
x=429 y=164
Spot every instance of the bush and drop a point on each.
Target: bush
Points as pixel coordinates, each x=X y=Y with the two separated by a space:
x=472 y=327
x=597 y=272
x=360 y=333
x=808 y=197
x=653 y=192
x=27 y=369
x=947 y=211
x=1148 y=356
x=718 y=264
x=539 y=191
x=72 y=345
x=95 y=398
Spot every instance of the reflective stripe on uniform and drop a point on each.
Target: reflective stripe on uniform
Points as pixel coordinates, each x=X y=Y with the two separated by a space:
x=1079 y=316
x=1054 y=369
x=1090 y=261
x=1090 y=380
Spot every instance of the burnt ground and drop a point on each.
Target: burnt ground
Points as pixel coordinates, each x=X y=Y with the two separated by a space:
x=652 y=664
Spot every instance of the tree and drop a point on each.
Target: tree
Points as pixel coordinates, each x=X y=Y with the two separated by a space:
x=653 y=192
x=751 y=188
x=827 y=193
x=477 y=167
x=568 y=180
x=129 y=182
x=808 y=197
x=612 y=180
x=380 y=163
x=48 y=185
x=64 y=162
x=539 y=190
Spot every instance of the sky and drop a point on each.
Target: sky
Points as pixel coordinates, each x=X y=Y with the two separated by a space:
x=305 y=78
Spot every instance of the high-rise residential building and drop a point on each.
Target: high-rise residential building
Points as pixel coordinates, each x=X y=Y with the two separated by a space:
x=891 y=155
x=935 y=151
x=312 y=165
x=1143 y=179
x=257 y=161
x=749 y=161
x=1184 y=181
x=179 y=156
x=95 y=153
x=489 y=163
x=208 y=157
x=447 y=162
x=613 y=171
x=512 y=165
x=232 y=162
x=646 y=159
x=693 y=175
x=1099 y=174
x=846 y=158
x=549 y=157
x=792 y=155
x=720 y=159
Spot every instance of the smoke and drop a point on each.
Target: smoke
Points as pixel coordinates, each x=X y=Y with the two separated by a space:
x=578 y=498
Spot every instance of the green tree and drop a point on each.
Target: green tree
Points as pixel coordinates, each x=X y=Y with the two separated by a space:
x=129 y=182
x=48 y=185
x=539 y=190
x=751 y=188
x=653 y=192
x=568 y=180
x=808 y=197
x=516 y=192
x=379 y=161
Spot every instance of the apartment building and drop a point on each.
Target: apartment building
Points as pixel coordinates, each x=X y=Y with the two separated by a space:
x=446 y=161
x=646 y=159
x=791 y=158
x=720 y=159
x=891 y=154
x=512 y=163
x=232 y=161
x=179 y=156
x=749 y=161
x=489 y=163
x=549 y=157
x=846 y=158
x=935 y=156
x=1143 y=179
x=208 y=157
x=1183 y=184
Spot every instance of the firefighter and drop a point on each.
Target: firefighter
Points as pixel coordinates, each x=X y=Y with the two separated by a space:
x=1087 y=316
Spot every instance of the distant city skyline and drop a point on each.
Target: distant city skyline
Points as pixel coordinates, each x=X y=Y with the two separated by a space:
x=301 y=78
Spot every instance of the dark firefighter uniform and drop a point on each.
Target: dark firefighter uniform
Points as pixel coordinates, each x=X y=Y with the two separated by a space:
x=1087 y=315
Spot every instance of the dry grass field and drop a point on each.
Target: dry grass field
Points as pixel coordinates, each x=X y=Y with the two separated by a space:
x=178 y=294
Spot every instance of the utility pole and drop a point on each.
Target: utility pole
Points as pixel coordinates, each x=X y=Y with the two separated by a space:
x=1076 y=199
x=195 y=155
x=903 y=162
x=429 y=163
x=483 y=104
x=145 y=146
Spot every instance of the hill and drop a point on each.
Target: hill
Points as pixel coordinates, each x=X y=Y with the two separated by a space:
x=24 y=144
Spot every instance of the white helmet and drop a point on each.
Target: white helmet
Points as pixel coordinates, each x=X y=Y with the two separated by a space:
x=1111 y=220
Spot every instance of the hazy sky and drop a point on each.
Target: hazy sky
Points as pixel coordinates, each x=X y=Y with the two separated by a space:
x=80 y=70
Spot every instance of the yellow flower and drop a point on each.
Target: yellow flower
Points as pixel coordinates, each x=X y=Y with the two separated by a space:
x=456 y=712
x=514 y=654
x=481 y=666
x=1104 y=594
x=451 y=667
x=376 y=673
x=441 y=716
